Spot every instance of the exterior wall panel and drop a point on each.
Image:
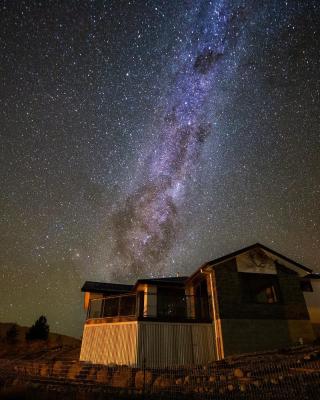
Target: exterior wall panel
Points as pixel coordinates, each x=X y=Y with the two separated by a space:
x=174 y=344
x=110 y=343
x=301 y=330
x=246 y=335
x=232 y=306
x=313 y=305
x=150 y=344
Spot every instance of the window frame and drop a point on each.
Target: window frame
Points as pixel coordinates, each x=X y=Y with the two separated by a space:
x=248 y=296
x=306 y=286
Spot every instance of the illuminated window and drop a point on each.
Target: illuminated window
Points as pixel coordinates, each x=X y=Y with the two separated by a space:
x=260 y=288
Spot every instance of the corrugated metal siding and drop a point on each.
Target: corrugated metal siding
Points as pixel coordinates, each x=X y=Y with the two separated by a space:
x=110 y=343
x=203 y=343
x=172 y=344
x=160 y=344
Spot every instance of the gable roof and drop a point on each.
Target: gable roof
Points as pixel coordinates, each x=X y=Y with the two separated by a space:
x=313 y=275
x=167 y=281
x=246 y=249
x=100 y=287
x=117 y=288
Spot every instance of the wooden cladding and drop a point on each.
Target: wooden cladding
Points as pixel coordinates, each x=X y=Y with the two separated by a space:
x=110 y=343
x=153 y=344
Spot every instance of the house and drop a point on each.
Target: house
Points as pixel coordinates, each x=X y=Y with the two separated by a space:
x=251 y=300
x=310 y=285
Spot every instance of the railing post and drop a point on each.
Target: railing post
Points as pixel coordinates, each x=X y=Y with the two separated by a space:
x=102 y=308
x=137 y=305
x=89 y=309
x=119 y=303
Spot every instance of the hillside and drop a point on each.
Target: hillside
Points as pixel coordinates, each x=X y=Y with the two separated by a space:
x=51 y=370
x=56 y=345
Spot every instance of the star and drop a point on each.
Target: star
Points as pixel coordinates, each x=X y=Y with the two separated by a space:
x=146 y=139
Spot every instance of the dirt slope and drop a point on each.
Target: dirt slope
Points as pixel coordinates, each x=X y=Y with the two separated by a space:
x=61 y=346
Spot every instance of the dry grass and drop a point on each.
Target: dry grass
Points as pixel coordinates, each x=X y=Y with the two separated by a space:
x=56 y=345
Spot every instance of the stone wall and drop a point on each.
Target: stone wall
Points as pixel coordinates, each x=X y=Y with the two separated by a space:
x=292 y=374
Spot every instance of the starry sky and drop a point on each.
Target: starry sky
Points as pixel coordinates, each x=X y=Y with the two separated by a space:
x=143 y=138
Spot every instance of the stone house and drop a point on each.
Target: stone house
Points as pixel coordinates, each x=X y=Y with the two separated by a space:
x=254 y=299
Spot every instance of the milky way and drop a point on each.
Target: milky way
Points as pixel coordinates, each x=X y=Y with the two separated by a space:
x=146 y=137
x=146 y=226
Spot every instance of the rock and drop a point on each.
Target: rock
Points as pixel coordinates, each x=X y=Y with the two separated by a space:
x=74 y=370
x=143 y=379
x=242 y=387
x=238 y=373
x=162 y=382
x=92 y=374
x=32 y=369
x=230 y=387
x=44 y=370
x=58 y=369
x=35 y=385
x=103 y=376
x=16 y=382
x=199 y=389
x=122 y=378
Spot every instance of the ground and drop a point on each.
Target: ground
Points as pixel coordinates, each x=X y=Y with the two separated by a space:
x=50 y=370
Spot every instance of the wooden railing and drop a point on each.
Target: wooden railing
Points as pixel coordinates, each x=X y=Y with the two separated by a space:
x=143 y=306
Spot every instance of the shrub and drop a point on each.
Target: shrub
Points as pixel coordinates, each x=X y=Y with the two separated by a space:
x=39 y=330
x=12 y=334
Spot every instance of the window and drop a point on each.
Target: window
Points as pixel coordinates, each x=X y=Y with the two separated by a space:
x=171 y=303
x=260 y=288
x=202 y=300
x=306 y=285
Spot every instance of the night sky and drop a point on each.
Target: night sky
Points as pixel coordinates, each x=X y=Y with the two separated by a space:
x=143 y=138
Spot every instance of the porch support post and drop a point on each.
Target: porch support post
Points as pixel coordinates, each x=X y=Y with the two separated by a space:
x=215 y=316
x=191 y=307
x=150 y=301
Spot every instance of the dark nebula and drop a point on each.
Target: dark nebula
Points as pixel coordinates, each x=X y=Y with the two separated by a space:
x=205 y=61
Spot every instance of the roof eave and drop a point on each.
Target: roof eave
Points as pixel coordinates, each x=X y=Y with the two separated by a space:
x=244 y=250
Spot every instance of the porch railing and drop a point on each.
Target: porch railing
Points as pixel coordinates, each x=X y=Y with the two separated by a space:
x=115 y=306
x=150 y=306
